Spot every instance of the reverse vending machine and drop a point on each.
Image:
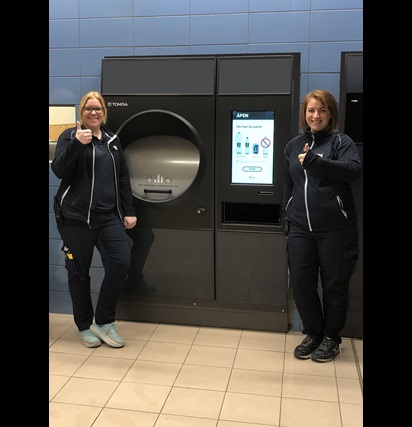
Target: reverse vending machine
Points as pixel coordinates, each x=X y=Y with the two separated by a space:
x=203 y=137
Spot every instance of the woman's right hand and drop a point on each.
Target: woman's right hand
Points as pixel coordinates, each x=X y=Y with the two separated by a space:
x=83 y=135
x=302 y=156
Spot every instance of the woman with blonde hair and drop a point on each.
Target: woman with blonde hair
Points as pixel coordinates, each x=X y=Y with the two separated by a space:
x=93 y=207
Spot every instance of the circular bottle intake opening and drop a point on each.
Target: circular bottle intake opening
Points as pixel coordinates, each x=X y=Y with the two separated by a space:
x=161 y=167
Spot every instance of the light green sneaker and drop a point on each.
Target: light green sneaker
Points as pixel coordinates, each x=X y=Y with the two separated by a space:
x=88 y=339
x=108 y=334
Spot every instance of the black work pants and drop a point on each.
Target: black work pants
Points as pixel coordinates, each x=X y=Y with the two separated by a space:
x=330 y=257
x=108 y=234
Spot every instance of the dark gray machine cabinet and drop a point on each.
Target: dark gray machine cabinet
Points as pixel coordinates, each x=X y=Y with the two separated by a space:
x=256 y=114
x=193 y=263
x=351 y=115
x=162 y=109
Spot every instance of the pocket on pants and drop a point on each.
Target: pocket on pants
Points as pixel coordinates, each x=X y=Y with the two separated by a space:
x=350 y=260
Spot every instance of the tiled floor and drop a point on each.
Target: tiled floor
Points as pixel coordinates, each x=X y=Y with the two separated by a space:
x=189 y=376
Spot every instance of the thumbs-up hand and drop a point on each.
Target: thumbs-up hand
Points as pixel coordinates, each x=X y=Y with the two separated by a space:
x=83 y=135
x=302 y=156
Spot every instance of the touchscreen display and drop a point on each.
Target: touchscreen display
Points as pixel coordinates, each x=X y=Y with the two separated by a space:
x=253 y=134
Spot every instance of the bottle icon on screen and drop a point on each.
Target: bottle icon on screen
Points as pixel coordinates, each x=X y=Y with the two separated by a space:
x=247 y=146
x=239 y=143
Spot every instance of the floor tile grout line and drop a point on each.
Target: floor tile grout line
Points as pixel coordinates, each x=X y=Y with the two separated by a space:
x=357 y=365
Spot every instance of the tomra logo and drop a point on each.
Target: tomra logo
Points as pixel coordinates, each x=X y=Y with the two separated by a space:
x=117 y=104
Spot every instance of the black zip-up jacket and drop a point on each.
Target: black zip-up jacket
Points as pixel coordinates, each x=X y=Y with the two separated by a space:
x=73 y=163
x=318 y=194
